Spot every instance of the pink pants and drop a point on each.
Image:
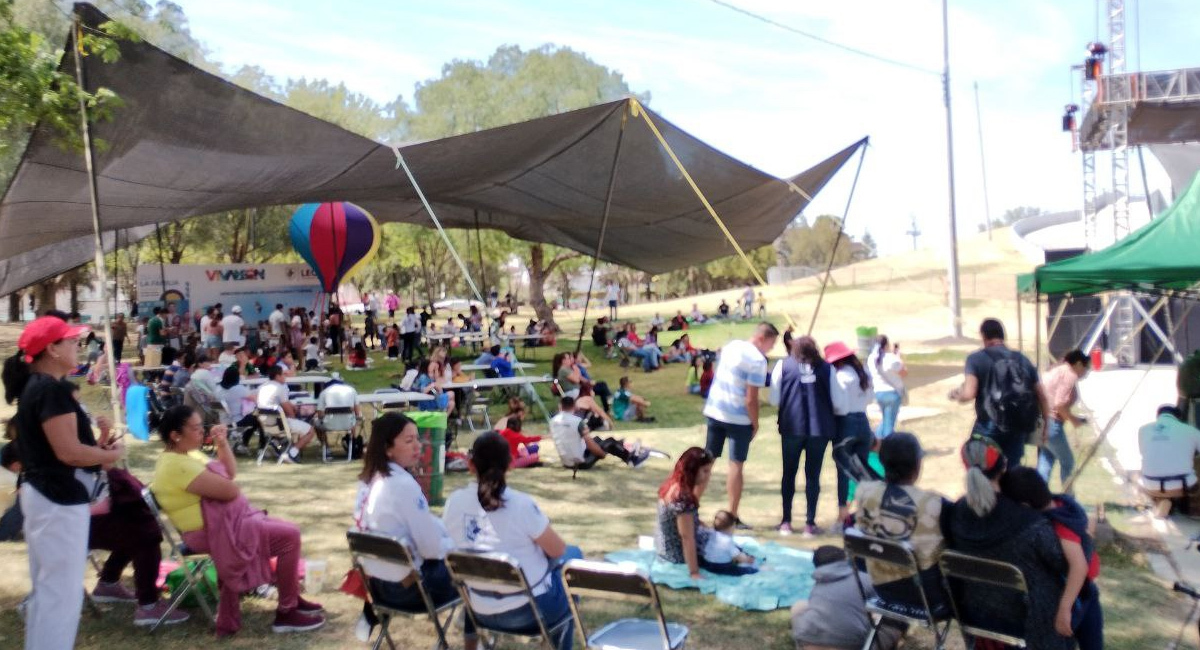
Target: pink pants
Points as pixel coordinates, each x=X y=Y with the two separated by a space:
x=524 y=461
x=284 y=539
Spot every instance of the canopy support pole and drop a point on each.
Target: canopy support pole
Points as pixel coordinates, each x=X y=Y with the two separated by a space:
x=1020 y=324
x=94 y=196
x=1037 y=331
x=479 y=254
x=639 y=111
x=401 y=164
x=608 y=195
x=837 y=240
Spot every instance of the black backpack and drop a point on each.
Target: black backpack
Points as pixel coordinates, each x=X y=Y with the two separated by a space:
x=1010 y=393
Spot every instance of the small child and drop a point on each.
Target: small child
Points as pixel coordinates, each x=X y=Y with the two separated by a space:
x=1079 y=613
x=456 y=373
x=312 y=355
x=706 y=378
x=358 y=356
x=720 y=549
x=524 y=448
x=12 y=521
x=392 y=337
x=355 y=338
x=693 y=375
x=627 y=406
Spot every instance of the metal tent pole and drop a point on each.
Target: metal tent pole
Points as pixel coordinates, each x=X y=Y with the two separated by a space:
x=94 y=197
x=955 y=305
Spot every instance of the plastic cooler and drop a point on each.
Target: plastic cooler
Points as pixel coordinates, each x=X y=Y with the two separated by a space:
x=431 y=430
x=866 y=340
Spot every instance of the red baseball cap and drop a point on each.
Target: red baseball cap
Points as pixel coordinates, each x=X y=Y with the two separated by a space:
x=44 y=331
x=837 y=351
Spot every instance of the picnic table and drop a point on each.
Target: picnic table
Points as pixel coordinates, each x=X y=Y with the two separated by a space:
x=517 y=365
x=509 y=338
x=499 y=382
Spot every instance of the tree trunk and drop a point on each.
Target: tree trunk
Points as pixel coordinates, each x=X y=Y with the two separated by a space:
x=14 y=307
x=73 y=288
x=537 y=283
x=44 y=296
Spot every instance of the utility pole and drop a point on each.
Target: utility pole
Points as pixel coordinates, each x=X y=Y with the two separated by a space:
x=955 y=306
x=987 y=208
x=914 y=232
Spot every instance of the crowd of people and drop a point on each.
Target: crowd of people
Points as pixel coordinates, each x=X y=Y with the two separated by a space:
x=1008 y=512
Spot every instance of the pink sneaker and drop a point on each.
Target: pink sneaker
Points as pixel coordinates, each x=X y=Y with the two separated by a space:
x=148 y=615
x=112 y=592
x=295 y=621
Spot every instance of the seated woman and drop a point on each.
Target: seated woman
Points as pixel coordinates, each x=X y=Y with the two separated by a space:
x=693 y=376
x=522 y=448
x=487 y=515
x=516 y=408
x=390 y=502
x=563 y=369
x=239 y=402
x=214 y=517
x=680 y=538
x=988 y=524
x=897 y=510
x=429 y=381
x=358 y=356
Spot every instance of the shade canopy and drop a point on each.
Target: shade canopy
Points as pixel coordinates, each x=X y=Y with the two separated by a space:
x=1163 y=255
x=188 y=143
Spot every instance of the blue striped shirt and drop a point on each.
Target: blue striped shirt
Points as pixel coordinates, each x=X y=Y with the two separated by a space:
x=740 y=365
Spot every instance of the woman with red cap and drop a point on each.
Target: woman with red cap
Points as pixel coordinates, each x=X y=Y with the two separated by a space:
x=61 y=462
x=852 y=392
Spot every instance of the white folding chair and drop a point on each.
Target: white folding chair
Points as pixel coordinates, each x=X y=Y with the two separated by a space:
x=339 y=420
x=194 y=564
x=390 y=550
x=492 y=574
x=978 y=573
x=896 y=554
x=613 y=582
x=279 y=434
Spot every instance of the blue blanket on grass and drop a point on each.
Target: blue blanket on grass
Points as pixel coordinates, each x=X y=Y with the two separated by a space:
x=784 y=576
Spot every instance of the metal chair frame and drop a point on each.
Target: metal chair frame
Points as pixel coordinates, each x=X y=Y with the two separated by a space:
x=900 y=555
x=389 y=549
x=192 y=575
x=474 y=565
x=275 y=425
x=346 y=433
x=991 y=573
x=612 y=582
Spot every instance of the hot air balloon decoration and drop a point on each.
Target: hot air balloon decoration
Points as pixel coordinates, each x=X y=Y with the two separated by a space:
x=336 y=239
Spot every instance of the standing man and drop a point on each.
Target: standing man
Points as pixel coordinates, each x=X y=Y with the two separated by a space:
x=732 y=405
x=410 y=333
x=612 y=295
x=278 y=322
x=1007 y=393
x=748 y=302
x=335 y=329
x=392 y=303
x=233 y=327
x=120 y=332
x=174 y=326
x=155 y=329
x=1062 y=392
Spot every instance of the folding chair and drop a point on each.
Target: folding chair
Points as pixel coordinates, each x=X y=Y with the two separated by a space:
x=988 y=574
x=612 y=582
x=390 y=550
x=490 y=573
x=339 y=420
x=193 y=574
x=279 y=434
x=899 y=555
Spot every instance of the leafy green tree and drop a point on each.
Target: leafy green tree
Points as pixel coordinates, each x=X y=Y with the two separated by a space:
x=515 y=85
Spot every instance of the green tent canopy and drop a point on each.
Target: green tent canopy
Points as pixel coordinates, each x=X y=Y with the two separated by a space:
x=1163 y=255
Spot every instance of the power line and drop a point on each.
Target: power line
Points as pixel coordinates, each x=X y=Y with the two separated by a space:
x=799 y=32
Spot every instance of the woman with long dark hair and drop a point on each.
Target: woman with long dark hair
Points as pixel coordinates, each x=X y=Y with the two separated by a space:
x=487 y=515
x=852 y=392
x=801 y=386
x=234 y=395
x=680 y=537
x=887 y=377
x=390 y=502
x=214 y=517
x=61 y=462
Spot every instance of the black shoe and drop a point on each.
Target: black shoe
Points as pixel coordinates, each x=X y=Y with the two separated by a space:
x=741 y=525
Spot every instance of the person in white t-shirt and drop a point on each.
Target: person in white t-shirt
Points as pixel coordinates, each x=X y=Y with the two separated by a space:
x=390 y=502
x=887 y=376
x=233 y=327
x=850 y=392
x=577 y=449
x=312 y=355
x=338 y=410
x=612 y=294
x=278 y=322
x=273 y=398
x=488 y=515
x=732 y=405
x=748 y=302
x=1169 y=447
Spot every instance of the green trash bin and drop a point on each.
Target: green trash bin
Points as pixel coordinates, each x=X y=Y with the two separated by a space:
x=866 y=340
x=431 y=430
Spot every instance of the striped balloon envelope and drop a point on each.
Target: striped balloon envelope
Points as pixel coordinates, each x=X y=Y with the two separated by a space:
x=336 y=239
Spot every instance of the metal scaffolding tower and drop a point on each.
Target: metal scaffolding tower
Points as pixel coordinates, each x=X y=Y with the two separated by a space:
x=1119 y=95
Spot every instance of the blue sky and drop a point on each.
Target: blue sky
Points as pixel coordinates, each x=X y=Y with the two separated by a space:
x=773 y=99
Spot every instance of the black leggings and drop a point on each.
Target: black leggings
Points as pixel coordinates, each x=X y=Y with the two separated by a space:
x=611 y=446
x=814 y=449
x=252 y=426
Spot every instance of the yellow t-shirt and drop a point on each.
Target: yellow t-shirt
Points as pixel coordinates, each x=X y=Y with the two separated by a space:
x=173 y=473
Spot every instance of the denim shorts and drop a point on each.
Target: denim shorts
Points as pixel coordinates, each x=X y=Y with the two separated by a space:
x=739 y=436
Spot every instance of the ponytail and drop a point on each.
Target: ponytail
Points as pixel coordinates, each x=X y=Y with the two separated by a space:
x=981 y=496
x=16 y=376
x=491 y=457
x=881 y=344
